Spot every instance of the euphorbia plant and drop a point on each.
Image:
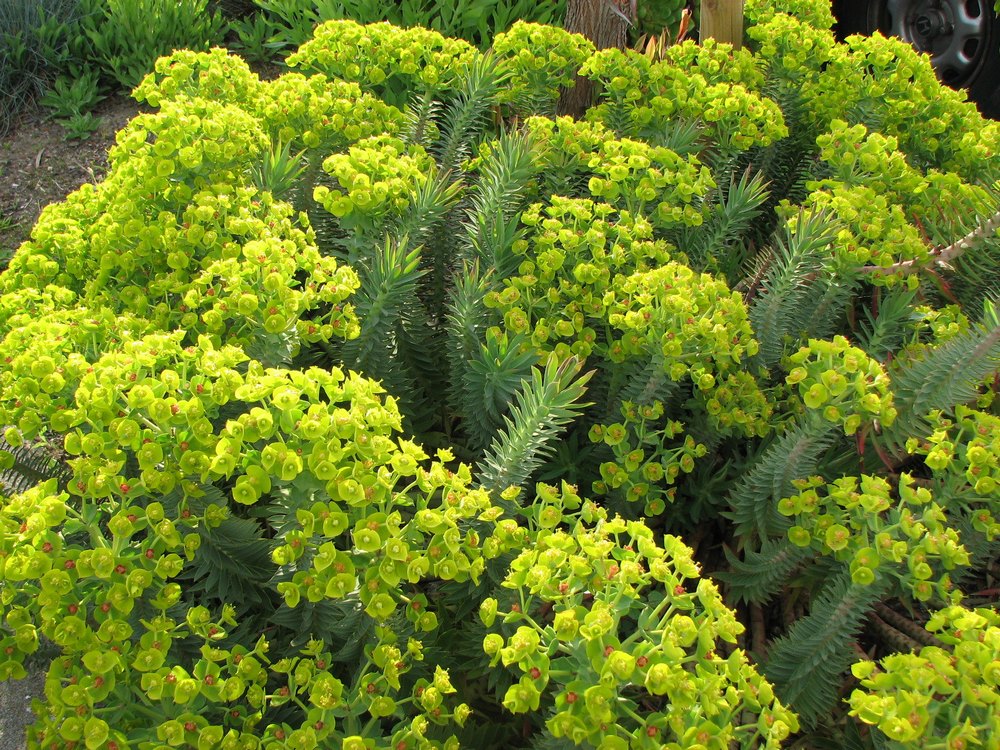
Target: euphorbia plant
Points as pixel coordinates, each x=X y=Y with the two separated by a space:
x=331 y=365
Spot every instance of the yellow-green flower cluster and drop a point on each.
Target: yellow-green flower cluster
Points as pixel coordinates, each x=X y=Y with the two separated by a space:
x=293 y=109
x=371 y=54
x=175 y=233
x=588 y=285
x=734 y=402
x=881 y=202
x=859 y=157
x=318 y=113
x=628 y=174
x=883 y=77
x=575 y=252
x=795 y=48
x=641 y=97
x=817 y=13
x=150 y=423
x=565 y=138
x=717 y=62
x=227 y=263
x=856 y=156
x=215 y=74
x=857 y=520
x=538 y=60
x=934 y=124
x=561 y=149
x=649 y=456
x=189 y=144
x=874 y=230
x=636 y=176
x=126 y=322
x=697 y=328
x=689 y=318
x=841 y=383
x=45 y=361
x=967 y=449
x=362 y=505
x=630 y=644
x=19 y=306
x=376 y=178
x=945 y=695
x=942 y=323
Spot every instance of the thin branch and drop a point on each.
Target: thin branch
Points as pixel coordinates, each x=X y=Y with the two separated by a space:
x=892 y=636
x=753 y=284
x=860 y=652
x=906 y=625
x=942 y=256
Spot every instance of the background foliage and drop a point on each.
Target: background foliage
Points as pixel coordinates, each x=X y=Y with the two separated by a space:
x=34 y=40
x=70 y=54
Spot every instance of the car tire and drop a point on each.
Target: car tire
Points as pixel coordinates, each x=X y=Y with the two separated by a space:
x=961 y=36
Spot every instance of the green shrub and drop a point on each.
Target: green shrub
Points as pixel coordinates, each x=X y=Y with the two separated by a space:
x=129 y=35
x=68 y=53
x=253 y=33
x=69 y=97
x=390 y=426
x=655 y=18
x=292 y=22
x=39 y=41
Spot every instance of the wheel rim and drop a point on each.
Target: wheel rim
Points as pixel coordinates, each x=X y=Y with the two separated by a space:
x=953 y=32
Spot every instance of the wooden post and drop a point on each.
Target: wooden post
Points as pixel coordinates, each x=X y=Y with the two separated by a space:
x=723 y=21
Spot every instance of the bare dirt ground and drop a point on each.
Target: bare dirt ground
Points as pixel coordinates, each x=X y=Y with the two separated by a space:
x=39 y=166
